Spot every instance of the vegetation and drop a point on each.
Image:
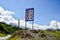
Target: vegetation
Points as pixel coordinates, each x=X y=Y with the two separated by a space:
x=1 y=34
x=16 y=37
x=55 y=34
x=8 y=29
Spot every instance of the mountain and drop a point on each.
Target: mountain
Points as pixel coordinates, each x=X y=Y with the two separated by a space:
x=50 y=29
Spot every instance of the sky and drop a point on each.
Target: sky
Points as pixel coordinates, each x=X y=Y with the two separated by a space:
x=44 y=10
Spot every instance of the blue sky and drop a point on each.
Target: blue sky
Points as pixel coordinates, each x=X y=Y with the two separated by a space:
x=45 y=10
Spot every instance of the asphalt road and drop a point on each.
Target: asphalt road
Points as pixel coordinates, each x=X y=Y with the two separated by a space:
x=5 y=38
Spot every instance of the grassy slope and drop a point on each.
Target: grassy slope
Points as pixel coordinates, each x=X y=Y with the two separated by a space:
x=54 y=34
x=1 y=34
x=7 y=29
x=16 y=37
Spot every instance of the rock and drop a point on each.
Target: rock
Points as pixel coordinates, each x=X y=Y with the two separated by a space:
x=35 y=31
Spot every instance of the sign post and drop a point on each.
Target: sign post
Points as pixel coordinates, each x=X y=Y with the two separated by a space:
x=18 y=23
x=25 y=25
x=32 y=24
x=29 y=16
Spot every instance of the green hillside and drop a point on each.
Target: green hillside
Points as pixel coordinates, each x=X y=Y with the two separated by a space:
x=7 y=29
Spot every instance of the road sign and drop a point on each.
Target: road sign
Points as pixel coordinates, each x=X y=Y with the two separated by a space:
x=29 y=15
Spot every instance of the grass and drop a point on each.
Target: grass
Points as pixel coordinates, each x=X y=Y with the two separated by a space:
x=17 y=37
x=54 y=34
x=1 y=34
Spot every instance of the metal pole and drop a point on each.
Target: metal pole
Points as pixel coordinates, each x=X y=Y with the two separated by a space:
x=18 y=23
x=57 y=27
x=32 y=24
x=25 y=24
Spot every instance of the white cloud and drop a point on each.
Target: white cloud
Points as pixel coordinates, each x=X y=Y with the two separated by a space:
x=6 y=16
x=58 y=24
x=53 y=23
x=1 y=10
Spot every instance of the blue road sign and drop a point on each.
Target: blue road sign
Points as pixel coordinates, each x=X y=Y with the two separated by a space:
x=29 y=14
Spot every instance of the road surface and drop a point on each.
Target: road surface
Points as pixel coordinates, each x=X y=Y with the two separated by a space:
x=5 y=38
